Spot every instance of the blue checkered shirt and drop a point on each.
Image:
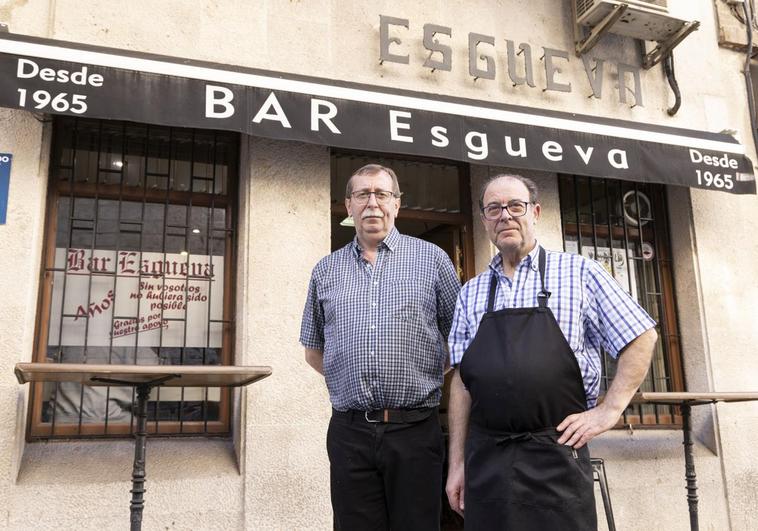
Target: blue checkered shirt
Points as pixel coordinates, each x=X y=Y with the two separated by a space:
x=382 y=328
x=591 y=308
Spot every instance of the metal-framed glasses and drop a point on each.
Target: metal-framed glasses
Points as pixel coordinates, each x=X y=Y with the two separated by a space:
x=515 y=209
x=383 y=197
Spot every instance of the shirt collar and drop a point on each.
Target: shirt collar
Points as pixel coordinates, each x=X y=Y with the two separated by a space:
x=391 y=241
x=531 y=260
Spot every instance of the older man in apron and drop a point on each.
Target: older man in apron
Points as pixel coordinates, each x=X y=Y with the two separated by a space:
x=526 y=342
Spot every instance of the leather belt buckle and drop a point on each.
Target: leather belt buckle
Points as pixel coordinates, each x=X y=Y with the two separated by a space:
x=398 y=416
x=385 y=416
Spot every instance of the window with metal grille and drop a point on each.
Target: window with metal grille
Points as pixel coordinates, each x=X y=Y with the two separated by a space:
x=138 y=269
x=623 y=225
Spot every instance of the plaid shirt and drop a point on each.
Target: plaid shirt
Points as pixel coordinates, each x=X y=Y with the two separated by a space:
x=591 y=308
x=382 y=328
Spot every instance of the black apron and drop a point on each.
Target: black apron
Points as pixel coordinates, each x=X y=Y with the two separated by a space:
x=524 y=380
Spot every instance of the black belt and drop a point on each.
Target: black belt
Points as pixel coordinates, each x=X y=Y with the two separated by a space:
x=387 y=416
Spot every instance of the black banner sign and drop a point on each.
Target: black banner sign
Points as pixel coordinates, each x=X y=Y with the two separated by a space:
x=48 y=76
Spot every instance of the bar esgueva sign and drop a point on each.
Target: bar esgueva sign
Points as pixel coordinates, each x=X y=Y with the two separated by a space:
x=41 y=75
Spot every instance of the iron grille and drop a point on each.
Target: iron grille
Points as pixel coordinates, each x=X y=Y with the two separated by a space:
x=138 y=270
x=623 y=225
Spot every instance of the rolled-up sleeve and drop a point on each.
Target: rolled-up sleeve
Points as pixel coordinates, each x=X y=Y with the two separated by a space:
x=614 y=319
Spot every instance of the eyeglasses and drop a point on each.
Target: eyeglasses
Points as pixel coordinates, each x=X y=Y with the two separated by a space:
x=515 y=208
x=382 y=196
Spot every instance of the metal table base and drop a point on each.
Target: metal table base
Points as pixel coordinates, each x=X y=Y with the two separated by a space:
x=685 y=401
x=143 y=378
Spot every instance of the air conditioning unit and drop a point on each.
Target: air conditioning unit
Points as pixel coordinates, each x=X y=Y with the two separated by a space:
x=648 y=20
x=582 y=6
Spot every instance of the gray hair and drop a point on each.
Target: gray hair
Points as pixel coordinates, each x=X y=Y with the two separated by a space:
x=531 y=186
x=373 y=169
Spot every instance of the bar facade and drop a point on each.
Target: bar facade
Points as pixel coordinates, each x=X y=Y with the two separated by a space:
x=242 y=121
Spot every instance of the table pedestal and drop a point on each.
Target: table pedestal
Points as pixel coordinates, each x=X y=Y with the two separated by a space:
x=686 y=401
x=140 y=443
x=138 y=470
x=689 y=466
x=142 y=378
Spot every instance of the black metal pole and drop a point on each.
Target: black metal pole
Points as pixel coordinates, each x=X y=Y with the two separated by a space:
x=138 y=472
x=689 y=466
x=140 y=441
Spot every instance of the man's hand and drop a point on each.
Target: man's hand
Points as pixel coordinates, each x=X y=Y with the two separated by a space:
x=580 y=428
x=458 y=411
x=454 y=488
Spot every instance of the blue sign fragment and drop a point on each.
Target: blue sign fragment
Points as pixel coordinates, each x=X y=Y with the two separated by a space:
x=5 y=179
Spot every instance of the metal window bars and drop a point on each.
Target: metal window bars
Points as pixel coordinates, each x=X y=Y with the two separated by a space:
x=139 y=270
x=623 y=225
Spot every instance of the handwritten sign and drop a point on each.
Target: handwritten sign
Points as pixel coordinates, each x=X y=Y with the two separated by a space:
x=132 y=298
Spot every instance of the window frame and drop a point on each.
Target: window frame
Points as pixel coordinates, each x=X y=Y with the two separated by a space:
x=58 y=188
x=663 y=417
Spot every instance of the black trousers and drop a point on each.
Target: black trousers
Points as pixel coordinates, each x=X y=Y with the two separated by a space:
x=385 y=476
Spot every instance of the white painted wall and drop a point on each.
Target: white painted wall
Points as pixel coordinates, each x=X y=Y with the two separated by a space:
x=21 y=238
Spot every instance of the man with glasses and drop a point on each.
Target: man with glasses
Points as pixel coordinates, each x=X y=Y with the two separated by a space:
x=376 y=318
x=526 y=342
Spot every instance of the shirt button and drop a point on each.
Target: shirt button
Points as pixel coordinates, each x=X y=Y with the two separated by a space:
x=373 y=305
x=371 y=353
x=372 y=327
x=376 y=283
